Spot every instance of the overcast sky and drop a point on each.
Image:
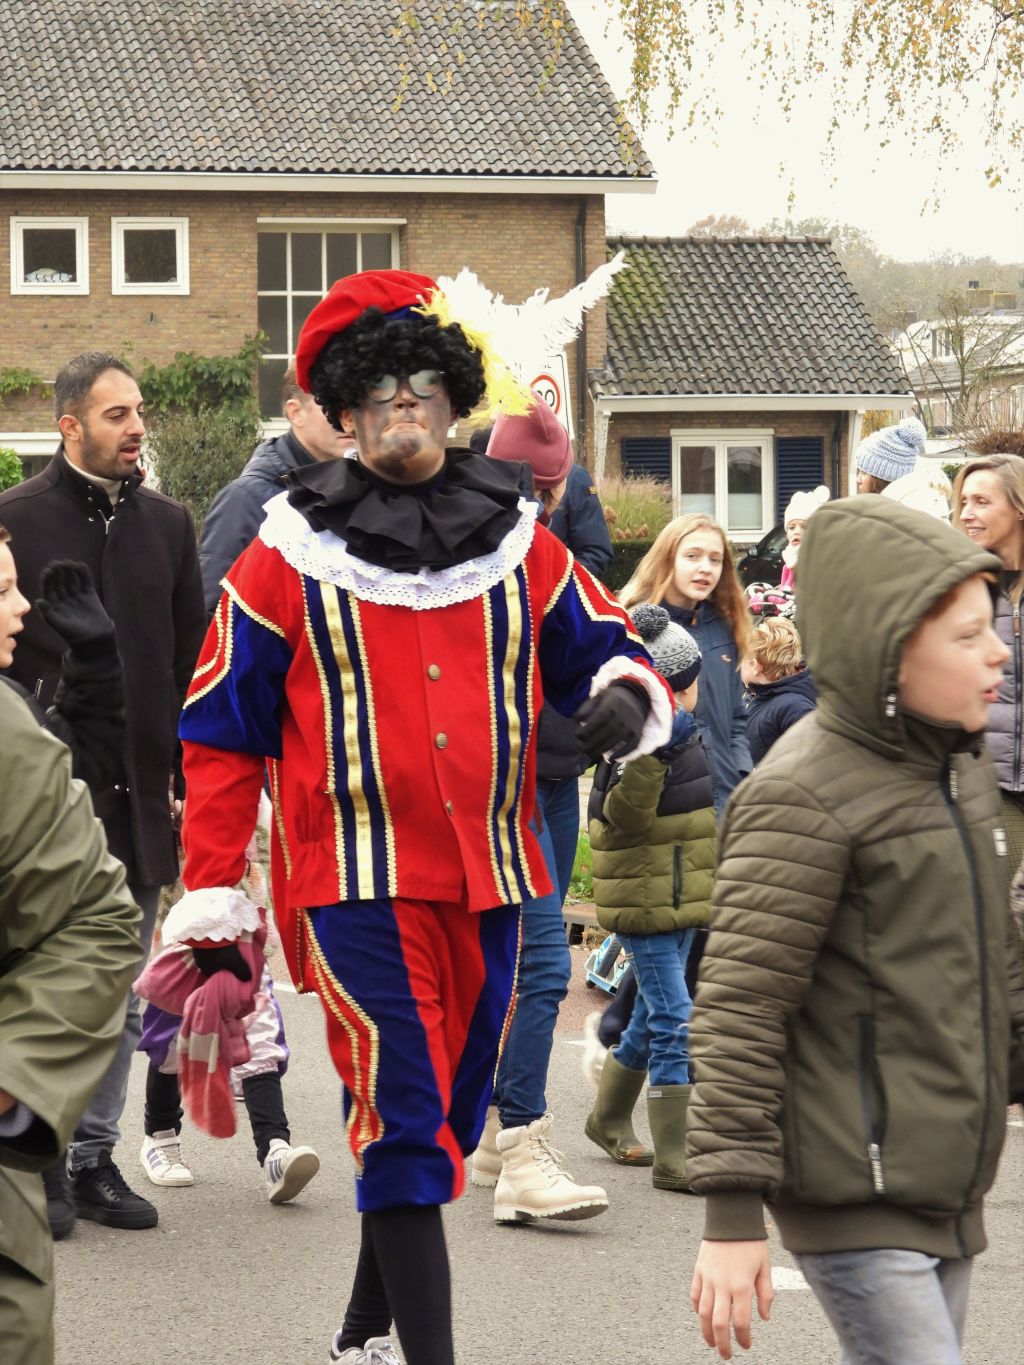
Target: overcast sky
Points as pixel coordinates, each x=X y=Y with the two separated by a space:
x=754 y=159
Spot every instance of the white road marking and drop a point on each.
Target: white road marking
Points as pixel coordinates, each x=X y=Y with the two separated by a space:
x=787 y=1277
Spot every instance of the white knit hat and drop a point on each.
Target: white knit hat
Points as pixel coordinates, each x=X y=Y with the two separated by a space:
x=801 y=505
x=893 y=451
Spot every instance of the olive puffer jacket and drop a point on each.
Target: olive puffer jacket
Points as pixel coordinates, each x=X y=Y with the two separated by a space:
x=652 y=839
x=859 y=1020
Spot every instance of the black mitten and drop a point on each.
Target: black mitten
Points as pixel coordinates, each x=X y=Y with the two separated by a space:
x=70 y=605
x=225 y=959
x=611 y=722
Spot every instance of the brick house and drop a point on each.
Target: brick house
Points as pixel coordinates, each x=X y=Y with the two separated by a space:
x=174 y=177
x=738 y=371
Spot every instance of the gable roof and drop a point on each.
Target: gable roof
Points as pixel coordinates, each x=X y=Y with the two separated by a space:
x=298 y=86
x=742 y=315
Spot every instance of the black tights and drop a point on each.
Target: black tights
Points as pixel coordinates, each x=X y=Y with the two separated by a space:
x=402 y=1274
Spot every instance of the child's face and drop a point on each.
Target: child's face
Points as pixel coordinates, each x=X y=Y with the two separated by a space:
x=699 y=561
x=795 y=530
x=12 y=607
x=952 y=665
x=750 y=671
x=687 y=698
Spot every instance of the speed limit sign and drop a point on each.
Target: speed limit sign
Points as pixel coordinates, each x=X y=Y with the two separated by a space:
x=551 y=383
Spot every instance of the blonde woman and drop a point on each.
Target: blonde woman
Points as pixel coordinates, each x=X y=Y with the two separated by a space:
x=689 y=570
x=988 y=506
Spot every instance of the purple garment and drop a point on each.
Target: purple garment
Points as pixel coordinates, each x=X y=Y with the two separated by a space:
x=159 y=1031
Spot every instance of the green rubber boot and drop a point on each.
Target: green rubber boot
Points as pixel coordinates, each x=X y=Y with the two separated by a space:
x=666 y=1112
x=609 y=1123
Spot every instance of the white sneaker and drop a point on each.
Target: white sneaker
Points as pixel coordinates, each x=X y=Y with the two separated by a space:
x=485 y=1166
x=377 y=1351
x=534 y=1182
x=287 y=1170
x=594 y=1051
x=161 y=1159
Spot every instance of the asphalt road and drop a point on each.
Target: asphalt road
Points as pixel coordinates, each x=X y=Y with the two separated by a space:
x=226 y=1279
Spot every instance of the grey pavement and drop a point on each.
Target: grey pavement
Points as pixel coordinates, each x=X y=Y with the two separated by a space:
x=229 y=1280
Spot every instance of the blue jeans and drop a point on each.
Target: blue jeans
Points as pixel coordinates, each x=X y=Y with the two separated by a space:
x=544 y=963
x=888 y=1305
x=655 y=1039
x=98 y=1129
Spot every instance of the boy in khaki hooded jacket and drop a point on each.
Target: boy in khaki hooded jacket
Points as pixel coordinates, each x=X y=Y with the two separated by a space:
x=859 y=1021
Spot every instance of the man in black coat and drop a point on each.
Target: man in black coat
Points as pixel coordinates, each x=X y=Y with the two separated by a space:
x=237 y=511
x=91 y=505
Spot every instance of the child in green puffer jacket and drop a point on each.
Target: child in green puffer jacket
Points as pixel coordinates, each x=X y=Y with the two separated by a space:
x=652 y=837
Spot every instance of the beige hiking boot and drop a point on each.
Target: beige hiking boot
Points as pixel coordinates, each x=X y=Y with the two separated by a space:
x=485 y=1166
x=534 y=1182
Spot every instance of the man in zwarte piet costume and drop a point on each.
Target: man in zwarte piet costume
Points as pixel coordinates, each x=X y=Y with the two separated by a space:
x=382 y=650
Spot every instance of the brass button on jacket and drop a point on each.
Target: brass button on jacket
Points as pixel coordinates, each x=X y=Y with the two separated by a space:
x=433 y=672
x=441 y=740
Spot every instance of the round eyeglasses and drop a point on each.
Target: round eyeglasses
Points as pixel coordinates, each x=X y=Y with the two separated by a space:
x=424 y=384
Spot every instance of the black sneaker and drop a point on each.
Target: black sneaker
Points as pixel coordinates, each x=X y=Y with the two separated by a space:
x=104 y=1196
x=60 y=1203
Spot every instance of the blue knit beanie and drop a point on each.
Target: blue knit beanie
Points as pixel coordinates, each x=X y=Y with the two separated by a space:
x=893 y=451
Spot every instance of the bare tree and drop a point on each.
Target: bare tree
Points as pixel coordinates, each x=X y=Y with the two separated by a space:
x=962 y=358
x=720 y=225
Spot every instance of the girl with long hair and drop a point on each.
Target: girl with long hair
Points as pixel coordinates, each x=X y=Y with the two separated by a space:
x=689 y=570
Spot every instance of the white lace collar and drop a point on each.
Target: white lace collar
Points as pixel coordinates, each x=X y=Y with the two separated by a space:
x=325 y=556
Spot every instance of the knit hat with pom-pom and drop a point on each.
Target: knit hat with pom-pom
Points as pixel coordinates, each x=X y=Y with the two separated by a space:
x=801 y=505
x=893 y=451
x=673 y=649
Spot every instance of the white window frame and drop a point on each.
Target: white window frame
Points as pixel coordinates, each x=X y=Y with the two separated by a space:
x=118 y=283
x=720 y=438
x=293 y=227
x=81 y=227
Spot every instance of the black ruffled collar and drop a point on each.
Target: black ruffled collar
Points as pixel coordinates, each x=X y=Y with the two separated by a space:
x=463 y=512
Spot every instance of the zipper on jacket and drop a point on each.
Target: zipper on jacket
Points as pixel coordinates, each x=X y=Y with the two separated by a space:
x=872 y=1099
x=677 y=877
x=1018 y=701
x=950 y=790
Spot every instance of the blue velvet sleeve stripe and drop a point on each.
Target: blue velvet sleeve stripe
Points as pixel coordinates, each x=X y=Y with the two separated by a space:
x=239 y=705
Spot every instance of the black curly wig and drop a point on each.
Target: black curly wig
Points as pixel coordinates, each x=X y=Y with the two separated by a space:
x=379 y=343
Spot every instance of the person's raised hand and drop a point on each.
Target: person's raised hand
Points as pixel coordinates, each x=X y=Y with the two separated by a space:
x=726 y=1279
x=69 y=604
x=612 y=722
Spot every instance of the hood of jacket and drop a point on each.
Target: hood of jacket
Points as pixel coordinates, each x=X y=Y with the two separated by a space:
x=275 y=458
x=853 y=626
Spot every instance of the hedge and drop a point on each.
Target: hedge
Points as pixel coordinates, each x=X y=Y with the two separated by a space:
x=626 y=555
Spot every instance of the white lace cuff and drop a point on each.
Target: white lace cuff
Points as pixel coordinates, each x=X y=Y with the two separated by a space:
x=217 y=912
x=658 y=725
x=324 y=556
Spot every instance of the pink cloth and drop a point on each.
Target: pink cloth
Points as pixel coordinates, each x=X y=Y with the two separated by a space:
x=212 y=1037
x=788 y=579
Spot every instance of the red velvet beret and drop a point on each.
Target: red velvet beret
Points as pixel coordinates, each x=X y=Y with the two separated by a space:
x=348 y=299
x=538 y=440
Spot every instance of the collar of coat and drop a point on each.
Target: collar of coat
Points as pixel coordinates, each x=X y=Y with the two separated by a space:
x=65 y=473
x=462 y=514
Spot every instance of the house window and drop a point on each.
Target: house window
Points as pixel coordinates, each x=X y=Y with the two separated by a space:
x=49 y=255
x=728 y=475
x=294 y=270
x=149 y=255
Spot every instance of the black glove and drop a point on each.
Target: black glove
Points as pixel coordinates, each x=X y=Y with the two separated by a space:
x=226 y=959
x=611 y=722
x=70 y=606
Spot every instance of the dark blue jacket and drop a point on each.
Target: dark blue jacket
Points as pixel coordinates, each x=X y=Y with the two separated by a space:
x=236 y=513
x=773 y=707
x=578 y=522
x=721 y=711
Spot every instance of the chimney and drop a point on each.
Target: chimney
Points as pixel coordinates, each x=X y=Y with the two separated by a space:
x=978 y=300
x=1004 y=302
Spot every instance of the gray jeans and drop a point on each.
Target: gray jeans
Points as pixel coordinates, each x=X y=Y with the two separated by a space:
x=889 y=1305
x=97 y=1131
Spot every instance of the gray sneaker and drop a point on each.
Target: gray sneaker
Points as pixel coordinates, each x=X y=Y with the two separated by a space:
x=377 y=1351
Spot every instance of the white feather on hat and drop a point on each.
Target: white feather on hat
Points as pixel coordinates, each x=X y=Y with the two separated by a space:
x=801 y=505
